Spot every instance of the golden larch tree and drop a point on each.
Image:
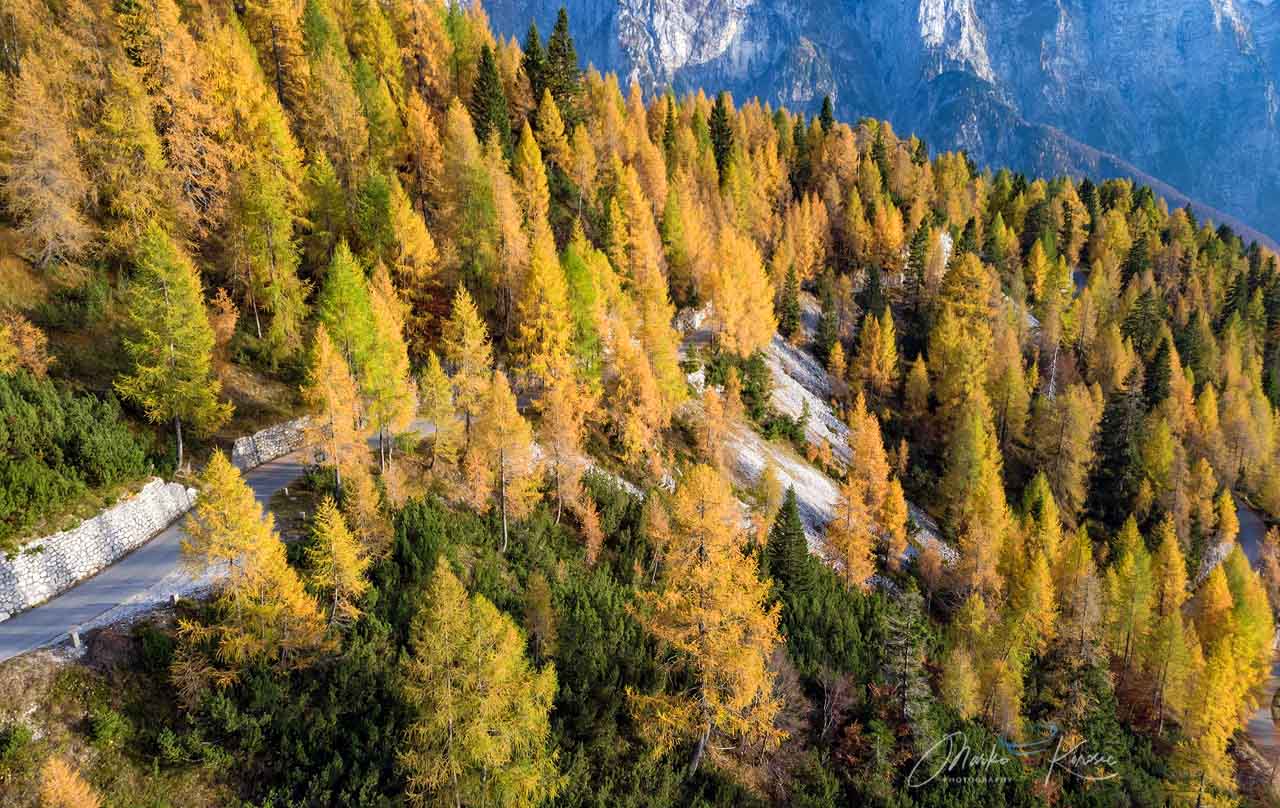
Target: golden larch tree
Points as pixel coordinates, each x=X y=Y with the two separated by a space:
x=1213 y=608
x=170 y=341
x=531 y=178
x=45 y=187
x=713 y=613
x=336 y=563
x=741 y=295
x=435 y=405
x=1129 y=593
x=62 y=786
x=544 y=331
x=849 y=541
x=331 y=394
x=264 y=611
x=387 y=382
x=974 y=491
x=469 y=354
x=564 y=412
x=479 y=730
x=501 y=461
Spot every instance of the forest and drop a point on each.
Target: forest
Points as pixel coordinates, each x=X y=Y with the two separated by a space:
x=535 y=319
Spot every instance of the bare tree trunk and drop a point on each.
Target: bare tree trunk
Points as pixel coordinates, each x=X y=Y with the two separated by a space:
x=275 y=57
x=700 y=750
x=502 y=495
x=177 y=427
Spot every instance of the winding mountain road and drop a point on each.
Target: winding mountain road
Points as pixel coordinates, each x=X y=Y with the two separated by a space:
x=156 y=564
x=1261 y=727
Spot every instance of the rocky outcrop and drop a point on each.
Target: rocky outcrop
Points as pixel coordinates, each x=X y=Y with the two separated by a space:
x=1186 y=91
x=47 y=566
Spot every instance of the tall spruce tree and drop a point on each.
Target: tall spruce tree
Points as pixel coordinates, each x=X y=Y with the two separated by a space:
x=1118 y=470
x=669 y=135
x=829 y=320
x=880 y=154
x=828 y=116
x=787 y=551
x=490 y=113
x=721 y=134
x=789 y=305
x=536 y=65
x=564 y=77
x=904 y=665
x=917 y=257
x=1155 y=387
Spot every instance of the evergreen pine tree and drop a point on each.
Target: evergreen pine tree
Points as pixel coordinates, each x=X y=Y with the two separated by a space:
x=1089 y=196
x=880 y=154
x=917 y=257
x=1118 y=470
x=968 y=242
x=721 y=134
x=536 y=65
x=829 y=319
x=564 y=77
x=1155 y=386
x=489 y=111
x=787 y=550
x=1137 y=261
x=828 y=116
x=801 y=160
x=669 y=135
x=872 y=296
x=789 y=305
x=904 y=660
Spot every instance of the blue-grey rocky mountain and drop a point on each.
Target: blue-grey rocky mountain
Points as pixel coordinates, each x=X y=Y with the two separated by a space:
x=1186 y=91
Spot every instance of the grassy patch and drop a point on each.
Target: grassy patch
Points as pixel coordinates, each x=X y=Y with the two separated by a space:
x=106 y=723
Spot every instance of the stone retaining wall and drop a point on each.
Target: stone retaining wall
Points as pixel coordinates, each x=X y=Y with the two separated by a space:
x=54 y=563
x=268 y=444
x=44 y=567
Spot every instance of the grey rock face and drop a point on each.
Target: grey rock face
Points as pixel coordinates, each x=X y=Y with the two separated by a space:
x=1187 y=91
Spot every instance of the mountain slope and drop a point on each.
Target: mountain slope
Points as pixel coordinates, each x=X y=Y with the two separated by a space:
x=1183 y=90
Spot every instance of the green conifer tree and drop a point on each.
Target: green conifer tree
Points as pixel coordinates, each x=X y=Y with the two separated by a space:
x=721 y=134
x=489 y=111
x=787 y=550
x=170 y=341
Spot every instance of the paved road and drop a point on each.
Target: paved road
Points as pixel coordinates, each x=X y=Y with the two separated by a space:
x=128 y=578
x=1261 y=727
x=135 y=577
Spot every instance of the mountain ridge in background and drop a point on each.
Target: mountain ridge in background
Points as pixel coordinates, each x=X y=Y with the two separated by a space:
x=1042 y=86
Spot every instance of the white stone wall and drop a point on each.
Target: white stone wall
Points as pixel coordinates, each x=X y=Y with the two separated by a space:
x=44 y=567
x=268 y=444
x=49 y=565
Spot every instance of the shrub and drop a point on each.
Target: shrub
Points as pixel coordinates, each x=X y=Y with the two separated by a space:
x=73 y=308
x=15 y=747
x=58 y=444
x=156 y=649
x=108 y=728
